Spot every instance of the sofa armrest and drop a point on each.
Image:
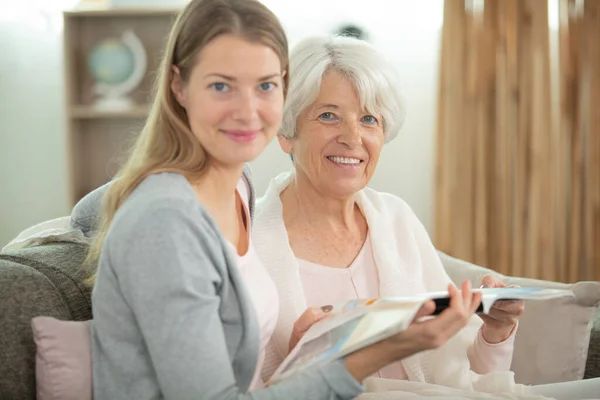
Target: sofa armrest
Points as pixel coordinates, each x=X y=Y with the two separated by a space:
x=24 y=293
x=592 y=367
x=43 y=280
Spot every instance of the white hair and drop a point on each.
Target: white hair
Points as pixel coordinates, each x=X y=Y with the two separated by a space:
x=374 y=77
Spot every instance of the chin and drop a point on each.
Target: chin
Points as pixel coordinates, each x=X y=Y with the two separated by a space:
x=245 y=153
x=344 y=189
x=246 y=156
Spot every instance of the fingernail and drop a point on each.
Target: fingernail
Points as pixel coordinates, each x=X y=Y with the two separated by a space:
x=484 y=286
x=326 y=309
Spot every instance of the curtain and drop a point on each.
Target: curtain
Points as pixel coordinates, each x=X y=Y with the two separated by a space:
x=517 y=175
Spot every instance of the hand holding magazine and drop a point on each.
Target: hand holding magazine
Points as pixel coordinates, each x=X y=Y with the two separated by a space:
x=359 y=323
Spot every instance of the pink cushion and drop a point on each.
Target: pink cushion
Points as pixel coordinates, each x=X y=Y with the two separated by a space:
x=63 y=364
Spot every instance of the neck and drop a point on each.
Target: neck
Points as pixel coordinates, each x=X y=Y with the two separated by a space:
x=308 y=205
x=216 y=187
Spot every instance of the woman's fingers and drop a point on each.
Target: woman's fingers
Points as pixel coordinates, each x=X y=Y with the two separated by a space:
x=466 y=295
x=452 y=318
x=426 y=309
x=434 y=332
x=463 y=304
x=514 y=307
x=308 y=318
x=490 y=281
x=500 y=316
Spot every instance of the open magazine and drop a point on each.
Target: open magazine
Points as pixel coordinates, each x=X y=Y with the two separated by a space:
x=355 y=324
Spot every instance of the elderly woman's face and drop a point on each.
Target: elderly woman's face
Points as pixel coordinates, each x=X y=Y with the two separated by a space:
x=337 y=143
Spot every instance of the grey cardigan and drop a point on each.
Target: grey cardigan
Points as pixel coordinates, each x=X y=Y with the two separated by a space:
x=172 y=317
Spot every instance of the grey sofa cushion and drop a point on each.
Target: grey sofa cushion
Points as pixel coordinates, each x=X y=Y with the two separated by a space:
x=44 y=280
x=592 y=367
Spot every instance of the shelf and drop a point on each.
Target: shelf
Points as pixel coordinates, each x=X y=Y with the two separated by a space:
x=89 y=112
x=97 y=140
x=121 y=12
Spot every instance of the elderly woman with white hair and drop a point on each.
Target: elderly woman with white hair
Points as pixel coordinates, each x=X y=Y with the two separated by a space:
x=325 y=237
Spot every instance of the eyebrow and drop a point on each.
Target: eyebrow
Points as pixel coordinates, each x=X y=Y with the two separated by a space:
x=326 y=105
x=233 y=79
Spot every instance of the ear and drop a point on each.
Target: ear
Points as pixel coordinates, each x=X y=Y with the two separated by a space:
x=178 y=87
x=285 y=144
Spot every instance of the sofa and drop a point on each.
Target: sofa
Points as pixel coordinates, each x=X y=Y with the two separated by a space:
x=47 y=279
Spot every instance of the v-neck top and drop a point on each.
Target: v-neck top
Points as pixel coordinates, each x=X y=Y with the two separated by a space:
x=260 y=286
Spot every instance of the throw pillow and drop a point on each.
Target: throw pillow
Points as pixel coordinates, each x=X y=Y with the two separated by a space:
x=63 y=360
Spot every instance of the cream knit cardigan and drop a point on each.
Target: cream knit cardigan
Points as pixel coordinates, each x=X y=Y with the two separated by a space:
x=407 y=263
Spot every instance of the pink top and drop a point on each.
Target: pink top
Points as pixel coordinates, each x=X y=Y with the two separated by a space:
x=262 y=291
x=327 y=286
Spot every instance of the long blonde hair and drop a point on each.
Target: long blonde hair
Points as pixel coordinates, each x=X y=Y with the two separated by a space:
x=166 y=143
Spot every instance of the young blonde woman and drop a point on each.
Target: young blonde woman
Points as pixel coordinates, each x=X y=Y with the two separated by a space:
x=183 y=308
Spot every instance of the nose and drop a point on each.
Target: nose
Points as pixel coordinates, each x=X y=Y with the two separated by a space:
x=246 y=107
x=351 y=134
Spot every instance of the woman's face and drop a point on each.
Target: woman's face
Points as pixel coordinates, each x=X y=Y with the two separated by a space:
x=233 y=99
x=337 y=143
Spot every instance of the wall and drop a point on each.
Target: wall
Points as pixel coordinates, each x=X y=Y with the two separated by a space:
x=32 y=144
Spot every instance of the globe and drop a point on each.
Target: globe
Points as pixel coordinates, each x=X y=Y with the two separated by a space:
x=111 y=62
x=117 y=66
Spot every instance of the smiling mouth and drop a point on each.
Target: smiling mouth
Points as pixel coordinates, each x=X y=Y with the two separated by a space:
x=344 y=160
x=241 y=136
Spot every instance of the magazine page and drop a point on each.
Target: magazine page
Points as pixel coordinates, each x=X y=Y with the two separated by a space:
x=358 y=323
x=351 y=326
x=491 y=295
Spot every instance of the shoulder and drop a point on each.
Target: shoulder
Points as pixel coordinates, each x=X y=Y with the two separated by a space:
x=269 y=205
x=163 y=191
x=161 y=208
x=387 y=203
x=392 y=211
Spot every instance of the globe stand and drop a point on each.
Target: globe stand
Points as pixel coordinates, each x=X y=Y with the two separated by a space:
x=113 y=103
x=114 y=96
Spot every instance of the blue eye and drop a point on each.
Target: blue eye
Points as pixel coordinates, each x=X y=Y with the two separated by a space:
x=267 y=86
x=327 y=116
x=369 y=119
x=220 y=87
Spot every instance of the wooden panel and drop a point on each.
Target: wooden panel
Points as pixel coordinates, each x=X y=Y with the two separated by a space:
x=512 y=49
x=496 y=148
x=71 y=140
x=105 y=145
x=576 y=248
x=506 y=100
x=466 y=141
x=107 y=11
x=564 y=129
x=449 y=119
x=485 y=134
x=591 y=131
x=541 y=203
x=90 y=112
